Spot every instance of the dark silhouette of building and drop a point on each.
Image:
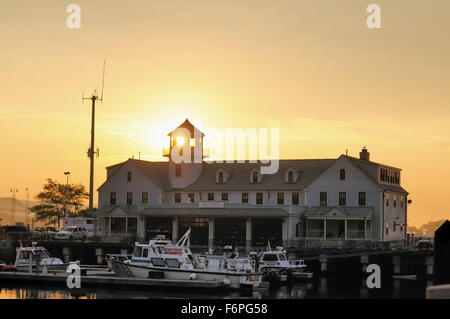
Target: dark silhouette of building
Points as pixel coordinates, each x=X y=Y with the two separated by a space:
x=442 y=253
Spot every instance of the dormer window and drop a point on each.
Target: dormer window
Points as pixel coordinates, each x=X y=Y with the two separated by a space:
x=255 y=176
x=222 y=176
x=342 y=174
x=290 y=176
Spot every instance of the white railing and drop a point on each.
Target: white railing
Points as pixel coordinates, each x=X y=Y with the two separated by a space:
x=211 y=204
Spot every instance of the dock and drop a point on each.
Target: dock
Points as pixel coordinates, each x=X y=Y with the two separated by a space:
x=98 y=278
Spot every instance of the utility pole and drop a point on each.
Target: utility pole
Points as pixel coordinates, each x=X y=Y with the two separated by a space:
x=91 y=151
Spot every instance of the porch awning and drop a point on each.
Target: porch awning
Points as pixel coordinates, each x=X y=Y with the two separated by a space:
x=338 y=212
x=213 y=212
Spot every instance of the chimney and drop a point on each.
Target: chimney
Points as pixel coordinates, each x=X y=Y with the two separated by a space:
x=364 y=154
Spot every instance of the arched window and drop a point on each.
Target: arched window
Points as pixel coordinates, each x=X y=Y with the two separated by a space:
x=220 y=178
x=290 y=176
x=255 y=177
x=342 y=175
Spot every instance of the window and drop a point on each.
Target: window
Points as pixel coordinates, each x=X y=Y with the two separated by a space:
x=342 y=174
x=137 y=252
x=145 y=252
x=390 y=176
x=290 y=176
x=144 y=198
x=259 y=198
x=112 y=198
x=280 y=198
x=342 y=198
x=158 y=262
x=128 y=176
x=172 y=263
x=362 y=198
x=210 y=196
x=244 y=198
x=129 y=198
x=191 y=197
x=387 y=199
x=220 y=177
x=402 y=199
x=255 y=177
x=225 y=196
x=177 y=198
x=295 y=198
x=323 y=198
x=270 y=257
x=395 y=201
x=178 y=170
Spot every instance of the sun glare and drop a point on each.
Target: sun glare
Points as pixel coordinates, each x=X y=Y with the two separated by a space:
x=180 y=140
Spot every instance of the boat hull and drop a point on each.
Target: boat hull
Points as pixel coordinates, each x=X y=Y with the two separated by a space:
x=236 y=280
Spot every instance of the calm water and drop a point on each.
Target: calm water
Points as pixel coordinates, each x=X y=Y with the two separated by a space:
x=317 y=289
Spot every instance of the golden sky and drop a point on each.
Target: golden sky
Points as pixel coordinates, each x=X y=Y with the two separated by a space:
x=310 y=67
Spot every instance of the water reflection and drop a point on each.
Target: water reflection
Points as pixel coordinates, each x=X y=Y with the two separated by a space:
x=319 y=288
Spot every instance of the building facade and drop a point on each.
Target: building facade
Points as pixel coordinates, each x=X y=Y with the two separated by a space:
x=339 y=199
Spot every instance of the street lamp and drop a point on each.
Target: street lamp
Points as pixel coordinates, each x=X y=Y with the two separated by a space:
x=67 y=191
x=13 y=204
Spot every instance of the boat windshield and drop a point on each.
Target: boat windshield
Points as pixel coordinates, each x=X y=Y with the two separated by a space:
x=282 y=257
x=137 y=252
x=41 y=253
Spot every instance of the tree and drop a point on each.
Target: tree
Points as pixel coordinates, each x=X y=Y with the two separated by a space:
x=57 y=199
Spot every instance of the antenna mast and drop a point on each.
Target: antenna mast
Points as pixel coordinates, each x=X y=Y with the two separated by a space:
x=91 y=151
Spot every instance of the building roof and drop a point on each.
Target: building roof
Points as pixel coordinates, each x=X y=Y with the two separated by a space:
x=189 y=126
x=371 y=170
x=239 y=175
x=239 y=179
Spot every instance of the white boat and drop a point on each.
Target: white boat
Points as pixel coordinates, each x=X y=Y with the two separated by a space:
x=27 y=257
x=161 y=259
x=274 y=262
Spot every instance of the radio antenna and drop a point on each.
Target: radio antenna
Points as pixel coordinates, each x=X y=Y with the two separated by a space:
x=103 y=80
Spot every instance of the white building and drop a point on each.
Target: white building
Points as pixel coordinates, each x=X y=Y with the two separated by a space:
x=345 y=198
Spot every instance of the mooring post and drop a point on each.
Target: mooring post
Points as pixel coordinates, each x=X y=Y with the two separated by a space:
x=429 y=261
x=99 y=254
x=30 y=268
x=396 y=262
x=323 y=263
x=364 y=262
x=323 y=286
x=66 y=254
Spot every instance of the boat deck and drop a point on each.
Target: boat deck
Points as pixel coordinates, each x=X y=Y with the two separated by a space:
x=103 y=278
